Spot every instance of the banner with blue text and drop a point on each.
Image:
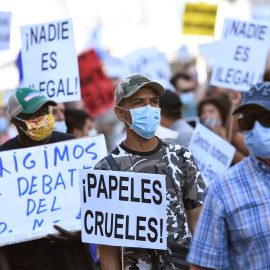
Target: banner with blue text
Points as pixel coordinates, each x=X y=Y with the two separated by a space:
x=39 y=187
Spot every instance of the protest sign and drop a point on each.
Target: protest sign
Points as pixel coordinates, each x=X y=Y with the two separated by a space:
x=123 y=208
x=114 y=66
x=5 y=22
x=199 y=19
x=260 y=13
x=39 y=187
x=241 y=55
x=97 y=90
x=209 y=52
x=50 y=61
x=212 y=154
x=151 y=63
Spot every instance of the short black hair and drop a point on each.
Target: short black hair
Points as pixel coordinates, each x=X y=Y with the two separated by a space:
x=179 y=75
x=75 y=119
x=170 y=105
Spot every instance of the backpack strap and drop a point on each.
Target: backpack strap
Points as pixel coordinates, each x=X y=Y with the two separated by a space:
x=111 y=162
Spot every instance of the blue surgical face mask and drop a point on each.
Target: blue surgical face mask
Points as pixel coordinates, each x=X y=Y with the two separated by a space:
x=145 y=120
x=60 y=126
x=257 y=140
x=3 y=124
x=92 y=132
x=187 y=98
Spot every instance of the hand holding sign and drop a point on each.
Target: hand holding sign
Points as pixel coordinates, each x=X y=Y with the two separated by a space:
x=65 y=237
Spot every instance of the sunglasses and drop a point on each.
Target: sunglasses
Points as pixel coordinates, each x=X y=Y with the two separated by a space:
x=247 y=123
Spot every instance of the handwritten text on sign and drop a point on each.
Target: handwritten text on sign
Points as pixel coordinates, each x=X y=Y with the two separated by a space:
x=39 y=187
x=5 y=22
x=123 y=208
x=241 y=54
x=212 y=154
x=50 y=61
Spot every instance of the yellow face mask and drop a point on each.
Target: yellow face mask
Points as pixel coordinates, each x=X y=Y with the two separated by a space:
x=39 y=128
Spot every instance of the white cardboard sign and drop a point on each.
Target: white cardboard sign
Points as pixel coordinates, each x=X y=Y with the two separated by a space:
x=212 y=154
x=209 y=52
x=151 y=63
x=50 y=61
x=123 y=208
x=241 y=55
x=5 y=22
x=39 y=187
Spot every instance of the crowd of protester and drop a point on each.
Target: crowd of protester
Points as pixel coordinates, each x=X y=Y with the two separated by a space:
x=180 y=109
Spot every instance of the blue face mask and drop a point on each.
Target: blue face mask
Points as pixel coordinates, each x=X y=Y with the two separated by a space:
x=145 y=120
x=188 y=98
x=3 y=124
x=257 y=140
x=60 y=126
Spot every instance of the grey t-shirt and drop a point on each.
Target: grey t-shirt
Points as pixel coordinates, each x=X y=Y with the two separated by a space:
x=184 y=130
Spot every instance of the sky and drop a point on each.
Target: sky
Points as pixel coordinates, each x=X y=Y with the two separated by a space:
x=125 y=26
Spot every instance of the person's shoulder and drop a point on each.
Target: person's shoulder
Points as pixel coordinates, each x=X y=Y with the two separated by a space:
x=178 y=149
x=103 y=163
x=10 y=144
x=60 y=136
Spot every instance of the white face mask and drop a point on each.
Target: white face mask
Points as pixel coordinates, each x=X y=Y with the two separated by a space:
x=257 y=140
x=211 y=122
x=92 y=132
x=60 y=126
x=188 y=98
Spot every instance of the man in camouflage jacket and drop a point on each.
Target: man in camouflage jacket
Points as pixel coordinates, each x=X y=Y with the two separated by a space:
x=137 y=105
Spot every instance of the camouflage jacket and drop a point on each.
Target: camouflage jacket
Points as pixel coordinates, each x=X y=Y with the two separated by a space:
x=184 y=189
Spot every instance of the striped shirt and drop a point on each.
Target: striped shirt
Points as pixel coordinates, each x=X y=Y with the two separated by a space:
x=233 y=231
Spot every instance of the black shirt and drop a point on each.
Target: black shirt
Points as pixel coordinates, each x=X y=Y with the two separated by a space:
x=55 y=137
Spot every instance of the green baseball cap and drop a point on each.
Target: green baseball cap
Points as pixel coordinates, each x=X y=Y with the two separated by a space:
x=26 y=100
x=132 y=84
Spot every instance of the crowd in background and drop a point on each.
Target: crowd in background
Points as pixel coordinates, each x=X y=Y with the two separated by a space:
x=187 y=103
x=182 y=107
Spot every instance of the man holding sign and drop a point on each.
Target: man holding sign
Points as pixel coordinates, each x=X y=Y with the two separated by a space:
x=29 y=112
x=233 y=231
x=137 y=105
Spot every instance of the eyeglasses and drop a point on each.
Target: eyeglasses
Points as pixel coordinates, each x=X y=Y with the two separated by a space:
x=247 y=123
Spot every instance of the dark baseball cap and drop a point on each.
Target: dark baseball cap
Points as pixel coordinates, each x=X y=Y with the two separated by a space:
x=259 y=94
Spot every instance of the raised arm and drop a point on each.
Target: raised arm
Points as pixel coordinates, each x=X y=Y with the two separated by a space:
x=109 y=257
x=192 y=218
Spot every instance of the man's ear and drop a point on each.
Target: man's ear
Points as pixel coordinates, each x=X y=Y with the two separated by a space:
x=76 y=132
x=119 y=113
